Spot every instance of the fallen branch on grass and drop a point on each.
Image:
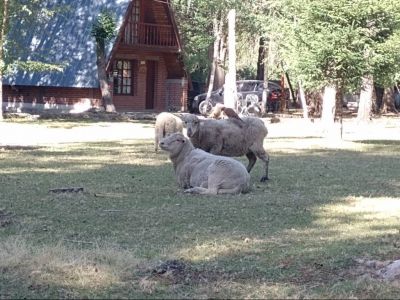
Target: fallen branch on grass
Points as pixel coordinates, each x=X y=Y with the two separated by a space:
x=77 y=241
x=67 y=190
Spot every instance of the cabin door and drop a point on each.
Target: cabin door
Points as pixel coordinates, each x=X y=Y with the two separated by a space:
x=151 y=83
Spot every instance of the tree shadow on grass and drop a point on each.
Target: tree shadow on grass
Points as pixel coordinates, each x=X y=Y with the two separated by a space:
x=379 y=142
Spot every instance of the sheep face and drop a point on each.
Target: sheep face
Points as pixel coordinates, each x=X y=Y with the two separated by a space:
x=192 y=124
x=173 y=143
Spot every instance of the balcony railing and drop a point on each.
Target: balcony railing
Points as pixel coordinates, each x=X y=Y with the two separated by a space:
x=149 y=35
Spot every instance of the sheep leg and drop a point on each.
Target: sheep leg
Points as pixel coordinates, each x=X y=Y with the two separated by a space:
x=265 y=158
x=201 y=190
x=235 y=190
x=159 y=134
x=216 y=149
x=252 y=160
x=156 y=141
x=207 y=191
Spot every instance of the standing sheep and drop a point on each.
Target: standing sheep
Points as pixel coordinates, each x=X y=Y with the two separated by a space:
x=199 y=172
x=226 y=137
x=166 y=123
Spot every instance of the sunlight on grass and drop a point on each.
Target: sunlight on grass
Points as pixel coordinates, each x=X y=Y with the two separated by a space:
x=293 y=146
x=253 y=290
x=381 y=208
x=71 y=157
x=357 y=217
x=218 y=248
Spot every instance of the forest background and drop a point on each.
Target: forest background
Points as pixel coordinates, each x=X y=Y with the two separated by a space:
x=326 y=49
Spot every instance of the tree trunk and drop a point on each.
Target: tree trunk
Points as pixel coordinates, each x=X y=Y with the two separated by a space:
x=292 y=97
x=1 y=96
x=264 y=108
x=230 y=92
x=217 y=41
x=303 y=101
x=328 y=108
x=103 y=81
x=3 y=32
x=219 y=76
x=261 y=59
x=365 y=104
x=282 y=106
x=388 y=101
x=339 y=108
x=378 y=103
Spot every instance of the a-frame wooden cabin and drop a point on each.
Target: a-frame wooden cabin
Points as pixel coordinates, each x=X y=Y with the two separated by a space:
x=145 y=69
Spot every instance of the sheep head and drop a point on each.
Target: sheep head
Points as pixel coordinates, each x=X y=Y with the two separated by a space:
x=192 y=124
x=173 y=143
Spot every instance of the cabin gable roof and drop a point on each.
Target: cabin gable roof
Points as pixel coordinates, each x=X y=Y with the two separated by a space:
x=67 y=39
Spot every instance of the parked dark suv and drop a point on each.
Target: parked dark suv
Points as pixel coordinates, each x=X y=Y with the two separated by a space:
x=250 y=97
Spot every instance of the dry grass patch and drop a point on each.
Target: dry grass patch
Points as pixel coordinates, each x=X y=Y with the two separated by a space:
x=65 y=267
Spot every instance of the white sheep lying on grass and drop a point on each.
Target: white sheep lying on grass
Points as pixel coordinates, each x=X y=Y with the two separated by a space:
x=200 y=172
x=230 y=137
x=166 y=123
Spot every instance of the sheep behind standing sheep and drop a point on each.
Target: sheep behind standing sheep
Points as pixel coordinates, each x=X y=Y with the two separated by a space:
x=199 y=172
x=166 y=123
x=226 y=137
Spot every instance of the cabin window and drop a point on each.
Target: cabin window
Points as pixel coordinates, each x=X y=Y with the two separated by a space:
x=131 y=35
x=123 y=77
x=136 y=11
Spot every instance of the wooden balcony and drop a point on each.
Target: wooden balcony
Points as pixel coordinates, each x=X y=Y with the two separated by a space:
x=149 y=35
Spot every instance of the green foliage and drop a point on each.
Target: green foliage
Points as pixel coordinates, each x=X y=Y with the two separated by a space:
x=103 y=29
x=337 y=42
x=246 y=72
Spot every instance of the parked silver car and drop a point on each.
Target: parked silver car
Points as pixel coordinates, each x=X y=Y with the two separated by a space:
x=249 y=94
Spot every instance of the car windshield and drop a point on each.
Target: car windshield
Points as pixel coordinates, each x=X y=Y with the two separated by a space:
x=273 y=87
x=246 y=86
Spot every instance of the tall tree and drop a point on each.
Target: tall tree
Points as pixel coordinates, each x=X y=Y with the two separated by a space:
x=103 y=30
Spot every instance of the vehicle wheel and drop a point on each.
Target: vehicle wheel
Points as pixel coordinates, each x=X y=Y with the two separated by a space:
x=244 y=112
x=205 y=107
x=254 y=110
x=239 y=106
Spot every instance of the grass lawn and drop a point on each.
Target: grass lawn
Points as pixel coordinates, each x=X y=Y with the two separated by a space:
x=132 y=233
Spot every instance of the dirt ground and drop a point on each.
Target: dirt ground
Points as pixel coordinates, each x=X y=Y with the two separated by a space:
x=31 y=134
